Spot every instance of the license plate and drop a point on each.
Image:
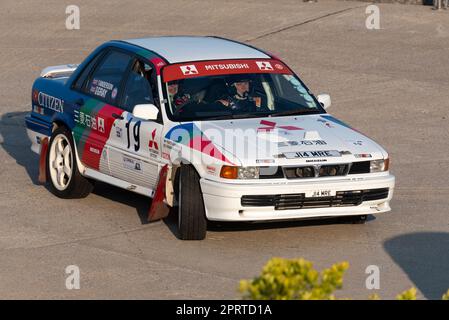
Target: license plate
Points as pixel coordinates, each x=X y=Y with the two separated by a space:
x=320 y=193
x=312 y=154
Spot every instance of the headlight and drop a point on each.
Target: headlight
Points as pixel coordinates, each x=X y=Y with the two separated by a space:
x=230 y=172
x=379 y=165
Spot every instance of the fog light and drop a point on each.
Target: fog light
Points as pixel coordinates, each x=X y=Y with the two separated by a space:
x=305 y=172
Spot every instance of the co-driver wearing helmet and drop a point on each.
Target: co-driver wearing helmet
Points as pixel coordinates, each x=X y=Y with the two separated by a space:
x=175 y=96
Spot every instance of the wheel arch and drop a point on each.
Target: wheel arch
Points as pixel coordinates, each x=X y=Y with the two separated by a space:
x=61 y=122
x=173 y=178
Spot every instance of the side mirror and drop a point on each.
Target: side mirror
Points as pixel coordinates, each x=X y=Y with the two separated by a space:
x=325 y=100
x=146 y=111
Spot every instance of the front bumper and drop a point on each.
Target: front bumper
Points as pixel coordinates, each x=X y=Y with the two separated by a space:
x=223 y=202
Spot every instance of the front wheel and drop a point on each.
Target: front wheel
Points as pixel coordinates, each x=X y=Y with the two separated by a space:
x=65 y=179
x=192 y=223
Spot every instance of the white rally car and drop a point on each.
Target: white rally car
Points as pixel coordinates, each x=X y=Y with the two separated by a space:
x=218 y=129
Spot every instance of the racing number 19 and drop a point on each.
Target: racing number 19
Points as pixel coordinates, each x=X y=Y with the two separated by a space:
x=136 y=134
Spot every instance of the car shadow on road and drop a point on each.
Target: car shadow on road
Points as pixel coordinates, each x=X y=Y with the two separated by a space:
x=172 y=220
x=241 y=226
x=14 y=140
x=131 y=199
x=424 y=257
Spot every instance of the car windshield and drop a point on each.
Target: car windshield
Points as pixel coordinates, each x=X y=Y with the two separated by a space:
x=236 y=95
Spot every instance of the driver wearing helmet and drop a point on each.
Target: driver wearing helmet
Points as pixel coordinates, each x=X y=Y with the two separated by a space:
x=240 y=97
x=175 y=96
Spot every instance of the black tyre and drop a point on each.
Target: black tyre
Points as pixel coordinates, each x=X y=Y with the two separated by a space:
x=192 y=222
x=63 y=175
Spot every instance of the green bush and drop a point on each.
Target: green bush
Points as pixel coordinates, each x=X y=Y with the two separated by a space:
x=446 y=296
x=409 y=294
x=295 y=279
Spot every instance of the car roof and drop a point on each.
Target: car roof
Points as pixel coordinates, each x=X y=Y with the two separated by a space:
x=177 y=49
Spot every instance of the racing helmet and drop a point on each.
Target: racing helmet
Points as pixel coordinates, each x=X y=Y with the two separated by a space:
x=233 y=79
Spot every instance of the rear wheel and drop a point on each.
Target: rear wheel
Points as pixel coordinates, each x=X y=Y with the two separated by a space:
x=62 y=170
x=192 y=222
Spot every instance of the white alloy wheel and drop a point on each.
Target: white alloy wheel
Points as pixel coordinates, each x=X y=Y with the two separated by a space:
x=60 y=163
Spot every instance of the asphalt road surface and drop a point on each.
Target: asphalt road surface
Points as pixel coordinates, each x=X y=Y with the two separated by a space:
x=391 y=83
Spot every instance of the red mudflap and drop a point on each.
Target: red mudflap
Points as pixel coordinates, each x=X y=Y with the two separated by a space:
x=43 y=161
x=159 y=209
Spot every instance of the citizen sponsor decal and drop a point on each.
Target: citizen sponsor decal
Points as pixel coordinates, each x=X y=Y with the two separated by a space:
x=50 y=102
x=312 y=154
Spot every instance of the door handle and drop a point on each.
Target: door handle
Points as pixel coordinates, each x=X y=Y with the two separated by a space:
x=117 y=116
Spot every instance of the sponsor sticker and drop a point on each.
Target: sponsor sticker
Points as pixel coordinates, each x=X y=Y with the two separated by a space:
x=94 y=150
x=114 y=93
x=363 y=155
x=189 y=70
x=165 y=155
x=100 y=88
x=264 y=65
x=50 y=102
x=264 y=160
x=153 y=143
x=118 y=132
x=223 y=67
x=84 y=119
x=132 y=164
x=211 y=169
x=302 y=143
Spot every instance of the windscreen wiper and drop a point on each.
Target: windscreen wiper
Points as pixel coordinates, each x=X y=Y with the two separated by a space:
x=239 y=115
x=294 y=112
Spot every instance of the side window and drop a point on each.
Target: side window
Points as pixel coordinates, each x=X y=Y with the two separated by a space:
x=105 y=80
x=138 y=86
x=83 y=76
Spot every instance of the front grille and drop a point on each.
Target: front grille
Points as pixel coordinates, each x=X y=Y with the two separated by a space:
x=327 y=170
x=299 y=201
